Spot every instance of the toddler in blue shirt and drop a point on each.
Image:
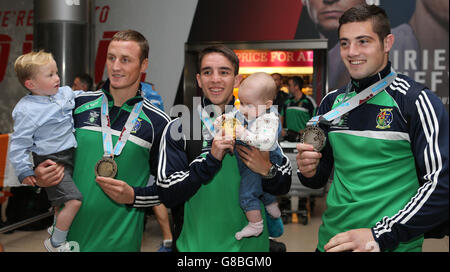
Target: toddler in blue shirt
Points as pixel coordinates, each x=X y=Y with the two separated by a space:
x=43 y=126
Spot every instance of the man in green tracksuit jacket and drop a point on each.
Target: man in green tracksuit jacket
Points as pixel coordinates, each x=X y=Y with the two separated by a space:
x=297 y=110
x=103 y=222
x=204 y=181
x=389 y=153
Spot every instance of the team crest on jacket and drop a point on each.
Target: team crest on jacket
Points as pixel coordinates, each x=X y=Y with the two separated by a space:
x=92 y=120
x=137 y=126
x=384 y=118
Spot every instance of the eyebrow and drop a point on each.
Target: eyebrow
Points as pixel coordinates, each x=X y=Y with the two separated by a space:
x=220 y=68
x=358 y=38
x=120 y=56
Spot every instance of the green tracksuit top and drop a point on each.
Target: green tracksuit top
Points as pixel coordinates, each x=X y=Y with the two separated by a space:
x=213 y=216
x=298 y=112
x=372 y=179
x=101 y=224
x=375 y=174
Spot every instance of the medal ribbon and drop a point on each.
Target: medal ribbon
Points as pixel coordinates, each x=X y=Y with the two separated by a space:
x=355 y=101
x=206 y=120
x=106 y=128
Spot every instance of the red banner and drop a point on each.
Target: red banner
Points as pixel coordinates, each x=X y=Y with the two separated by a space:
x=260 y=58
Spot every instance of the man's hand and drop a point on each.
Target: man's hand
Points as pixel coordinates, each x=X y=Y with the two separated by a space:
x=307 y=160
x=48 y=173
x=221 y=145
x=117 y=190
x=357 y=240
x=258 y=161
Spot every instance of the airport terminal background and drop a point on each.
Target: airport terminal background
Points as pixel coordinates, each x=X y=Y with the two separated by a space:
x=200 y=21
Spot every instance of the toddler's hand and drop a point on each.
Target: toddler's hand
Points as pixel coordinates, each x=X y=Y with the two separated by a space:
x=30 y=180
x=218 y=123
x=240 y=132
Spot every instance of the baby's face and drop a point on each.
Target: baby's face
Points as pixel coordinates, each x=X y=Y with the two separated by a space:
x=46 y=80
x=252 y=102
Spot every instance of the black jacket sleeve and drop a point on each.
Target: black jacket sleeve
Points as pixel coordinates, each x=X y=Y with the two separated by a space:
x=179 y=179
x=429 y=133
x=281 y=182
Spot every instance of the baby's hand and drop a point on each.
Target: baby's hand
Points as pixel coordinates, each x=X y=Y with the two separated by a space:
x=240 y=131
x=218 y=123
x=30 y=180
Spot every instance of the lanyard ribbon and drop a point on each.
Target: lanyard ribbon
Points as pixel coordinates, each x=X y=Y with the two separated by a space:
x=206 y=120
x=109 y=151
x=355 y=101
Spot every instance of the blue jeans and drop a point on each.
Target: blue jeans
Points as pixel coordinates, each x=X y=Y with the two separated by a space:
x=250 y=191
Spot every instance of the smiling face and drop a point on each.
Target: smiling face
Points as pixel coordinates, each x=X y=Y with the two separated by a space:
x=217 y=78
x=124 y=65
x=45 y=81
x=361 y=49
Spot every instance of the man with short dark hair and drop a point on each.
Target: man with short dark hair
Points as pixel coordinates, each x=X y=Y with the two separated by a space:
x=297 y=110
x=387 y=139
x=82 y=82
x=281 y=97
x=199 y=179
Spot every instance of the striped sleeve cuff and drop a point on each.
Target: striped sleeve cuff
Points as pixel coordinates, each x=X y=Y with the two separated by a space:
x=145 y=197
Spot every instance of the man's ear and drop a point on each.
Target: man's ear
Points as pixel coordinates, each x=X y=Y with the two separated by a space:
x=388 y=42
x=199 y=83
x=144 y=65
x=269 y=103
x=29 y=84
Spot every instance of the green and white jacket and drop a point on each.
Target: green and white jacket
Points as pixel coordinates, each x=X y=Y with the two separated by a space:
x=101 y=224
x=390 y=159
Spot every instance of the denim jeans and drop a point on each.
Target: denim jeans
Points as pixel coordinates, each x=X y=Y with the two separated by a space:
x=250 y=191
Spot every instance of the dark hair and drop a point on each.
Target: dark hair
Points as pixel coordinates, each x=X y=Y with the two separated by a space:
x=278 y=74
x=133 y=35
x=227 y=52
x=364 y=12
x=86 y=79
x=298 y=81
x=99 y=85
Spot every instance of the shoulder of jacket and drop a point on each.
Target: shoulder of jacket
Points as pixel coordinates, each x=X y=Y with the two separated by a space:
x=154 y=112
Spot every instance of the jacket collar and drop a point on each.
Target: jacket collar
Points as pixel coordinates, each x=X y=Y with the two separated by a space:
x=130 y=102
x=360 y=84
x=206 y=102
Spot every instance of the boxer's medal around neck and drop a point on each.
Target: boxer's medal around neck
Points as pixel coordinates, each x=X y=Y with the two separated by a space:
x=106 y=167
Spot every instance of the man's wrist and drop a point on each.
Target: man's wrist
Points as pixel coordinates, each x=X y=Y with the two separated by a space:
x=271 y=172
x=134 y=197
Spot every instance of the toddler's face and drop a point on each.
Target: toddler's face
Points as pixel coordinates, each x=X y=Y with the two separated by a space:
x=46 y=80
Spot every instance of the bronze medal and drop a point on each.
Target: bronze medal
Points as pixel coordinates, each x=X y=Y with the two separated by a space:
x=314 y=136
x=229 y=125
x=106 y=167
